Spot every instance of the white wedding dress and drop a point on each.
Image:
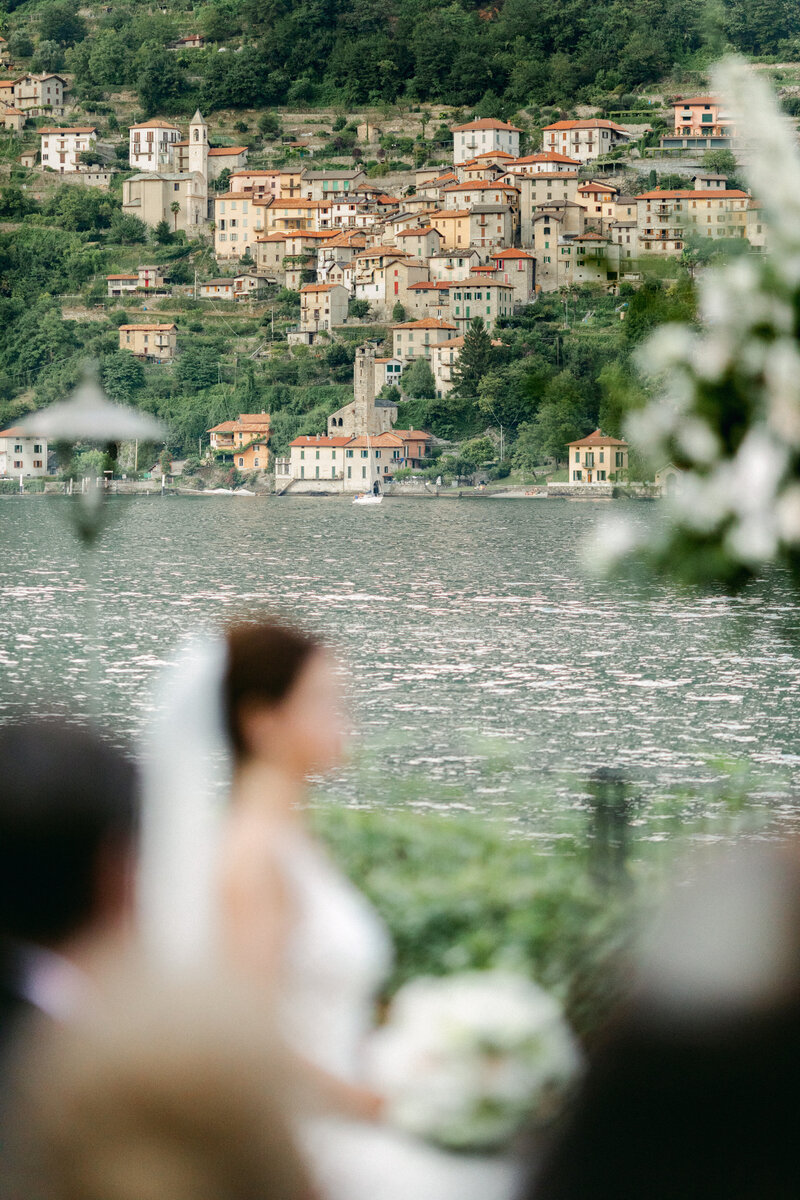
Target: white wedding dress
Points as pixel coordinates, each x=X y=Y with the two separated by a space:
x=337 y=953
x=337 y=957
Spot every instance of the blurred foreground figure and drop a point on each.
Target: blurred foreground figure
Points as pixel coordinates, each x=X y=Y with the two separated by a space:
x=694 y=1092
x=167 y=1094
x=67 y=836
x=231 y=874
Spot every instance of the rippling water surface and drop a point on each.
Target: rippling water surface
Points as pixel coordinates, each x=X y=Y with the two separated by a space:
x=480 y=657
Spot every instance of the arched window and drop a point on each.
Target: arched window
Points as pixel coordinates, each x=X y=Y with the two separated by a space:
x=197 y=135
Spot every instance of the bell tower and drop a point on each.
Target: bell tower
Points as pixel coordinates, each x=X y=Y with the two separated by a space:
x=198 y=145
x=364 y=390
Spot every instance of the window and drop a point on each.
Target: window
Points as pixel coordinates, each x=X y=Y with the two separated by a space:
x=302 y=453
x=18 y=449
x=37 y=462
x=241 y=462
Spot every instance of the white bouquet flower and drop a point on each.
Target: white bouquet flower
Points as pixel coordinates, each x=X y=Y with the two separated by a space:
x=465 y=1060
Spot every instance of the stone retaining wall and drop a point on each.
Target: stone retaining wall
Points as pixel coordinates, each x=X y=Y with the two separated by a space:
x=582 y=491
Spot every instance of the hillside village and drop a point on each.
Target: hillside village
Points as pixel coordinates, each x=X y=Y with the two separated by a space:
x=408 y=264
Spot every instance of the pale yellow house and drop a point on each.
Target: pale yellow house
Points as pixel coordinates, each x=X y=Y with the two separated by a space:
x=584 y=139
x=597 y=458
x=40 y=94
x=318 y=458
x=480 y=297
x=444 y=360
x=13 y=118
x=158 y=343
x=238 y=220
x=322 y=306
x=21 y=454
x=416 y=339
x=664 y=217
x=419 y=243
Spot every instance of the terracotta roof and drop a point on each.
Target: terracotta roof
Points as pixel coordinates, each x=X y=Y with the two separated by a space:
x=431 y=284
x=319 y=287
x=480 y=185
x=122 y=276
x=597 y=187
x=548 y=156
x=598 y=438
x=590 y=123
x=462 y=283
x=425 y=323
x=254 y=173
x=590 y=237
x=511 y=254
x=695 y=100
x=150 y=328
x=417 y=232
x=492 y=154
x=319 y=441
x=690 y=193
x=13 y=112
x=222 y=150
x=17 y=431
x=271 y=237
x=449 y=213
x=376 y=439
x=217 y=283
x=486 y=123
x=155 y=123
x=455 y=342
x=70 y=129
x=412 y=435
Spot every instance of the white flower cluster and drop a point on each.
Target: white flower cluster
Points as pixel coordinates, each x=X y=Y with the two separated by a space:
x=465 y=1060
x=741 y=492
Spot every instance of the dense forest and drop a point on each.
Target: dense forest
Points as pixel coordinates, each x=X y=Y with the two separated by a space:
x=499 y=55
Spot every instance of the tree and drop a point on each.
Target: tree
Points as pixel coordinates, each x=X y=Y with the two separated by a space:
x=560 y=419
x=175 y=208
x=59 y=22
x=477 y=451
x=417 y=380
x=721 y=161
x=398 y=313
x=127 y=230
x=122 y=376
x=473 y=360
x=269 y=126
x=20 y=44
x=162 y=234
x=358 y=309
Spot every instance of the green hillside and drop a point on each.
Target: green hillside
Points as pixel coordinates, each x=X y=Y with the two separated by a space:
x=501 y=56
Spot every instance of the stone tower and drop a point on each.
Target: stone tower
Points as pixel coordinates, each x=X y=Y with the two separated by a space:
x=198 y=145
x=365 y=391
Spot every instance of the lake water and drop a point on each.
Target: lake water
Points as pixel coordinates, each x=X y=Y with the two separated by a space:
x=484 y=665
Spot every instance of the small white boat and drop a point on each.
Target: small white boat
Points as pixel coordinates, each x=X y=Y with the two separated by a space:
x=369 y=498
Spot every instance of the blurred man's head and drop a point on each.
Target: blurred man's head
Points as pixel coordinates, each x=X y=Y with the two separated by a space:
x=67 y=826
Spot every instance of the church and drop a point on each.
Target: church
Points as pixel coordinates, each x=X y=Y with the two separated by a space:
x=176 y=189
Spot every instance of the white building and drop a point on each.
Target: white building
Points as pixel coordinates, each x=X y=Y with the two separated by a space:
x=60 y=148
x=584 y=140
x=149 y=144
x=482 y=137
x=21 y=454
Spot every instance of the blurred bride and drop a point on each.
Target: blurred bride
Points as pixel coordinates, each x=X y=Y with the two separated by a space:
x=231 y=873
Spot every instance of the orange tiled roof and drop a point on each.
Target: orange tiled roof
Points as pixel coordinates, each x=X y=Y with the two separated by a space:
x=425 y=323
x=486 y=123
x=511 y=254
x=70 y=129
x=150 y=328
x=589 y=123
x=319 y=441
x=222 y=150
x=690 y=193
x=598 y=438
x=155 y=123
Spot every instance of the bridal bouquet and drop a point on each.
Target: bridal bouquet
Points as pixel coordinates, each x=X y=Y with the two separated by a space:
x=465 y=1060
